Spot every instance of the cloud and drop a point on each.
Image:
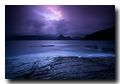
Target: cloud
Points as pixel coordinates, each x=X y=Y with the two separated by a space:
x=88 y=18
x=34 y=25
x=21 y=20
x=58 y=19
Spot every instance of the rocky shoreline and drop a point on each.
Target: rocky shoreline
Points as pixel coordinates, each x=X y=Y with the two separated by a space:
x=63 y=68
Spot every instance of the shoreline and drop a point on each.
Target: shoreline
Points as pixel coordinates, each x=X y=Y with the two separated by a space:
x=63 y=68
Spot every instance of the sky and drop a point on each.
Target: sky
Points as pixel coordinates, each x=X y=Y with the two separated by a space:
x=68 y=20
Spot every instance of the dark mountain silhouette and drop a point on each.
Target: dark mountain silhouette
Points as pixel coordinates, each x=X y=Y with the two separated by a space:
x=77 y=38
x=44 y=37
x=107 y=34
x=68 y=38
x=35 y=37
x=61 y=37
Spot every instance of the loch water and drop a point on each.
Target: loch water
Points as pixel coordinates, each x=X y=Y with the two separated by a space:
x=55 y=48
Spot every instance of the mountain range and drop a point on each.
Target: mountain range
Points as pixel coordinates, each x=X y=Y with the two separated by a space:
x=45 y=37
x=106 y=34
x=61 y=37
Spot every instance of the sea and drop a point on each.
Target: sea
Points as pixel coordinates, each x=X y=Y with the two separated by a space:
x=24 y=57
x=55 y=48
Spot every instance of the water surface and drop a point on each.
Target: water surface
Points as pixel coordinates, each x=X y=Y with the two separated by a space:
x=60 y=48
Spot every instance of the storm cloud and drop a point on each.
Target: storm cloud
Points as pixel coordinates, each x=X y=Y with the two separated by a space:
x=57 y=19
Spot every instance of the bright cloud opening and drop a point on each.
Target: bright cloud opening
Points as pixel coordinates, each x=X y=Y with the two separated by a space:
x=54 y=14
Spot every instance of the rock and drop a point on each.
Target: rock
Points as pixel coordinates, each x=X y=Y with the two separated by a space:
x=62 y=68
x=108 y=49
x=48 y=67
x=43 y=46
x=33 y=46
x=61 y=37
x=93 y=47
x=46 y=45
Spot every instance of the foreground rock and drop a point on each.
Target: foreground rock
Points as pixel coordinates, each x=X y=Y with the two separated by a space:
x=108 y=49
x=66 y=68
x=92 y=47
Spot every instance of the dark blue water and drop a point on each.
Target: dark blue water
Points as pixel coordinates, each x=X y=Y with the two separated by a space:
x=60 y=48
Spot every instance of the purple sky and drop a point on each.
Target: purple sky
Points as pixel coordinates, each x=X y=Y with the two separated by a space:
x=69 y=20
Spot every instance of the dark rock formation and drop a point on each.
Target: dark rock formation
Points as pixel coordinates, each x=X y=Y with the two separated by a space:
x=61 y=37
x=107 y=34
x=93 y=47
x=46 y=45
x=43 y=46
x=108 y=49
x=33 y=46
x=64 y=68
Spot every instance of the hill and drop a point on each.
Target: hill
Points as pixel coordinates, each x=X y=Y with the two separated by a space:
x=35 y=37
x=107 y=34
x=61 y=37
